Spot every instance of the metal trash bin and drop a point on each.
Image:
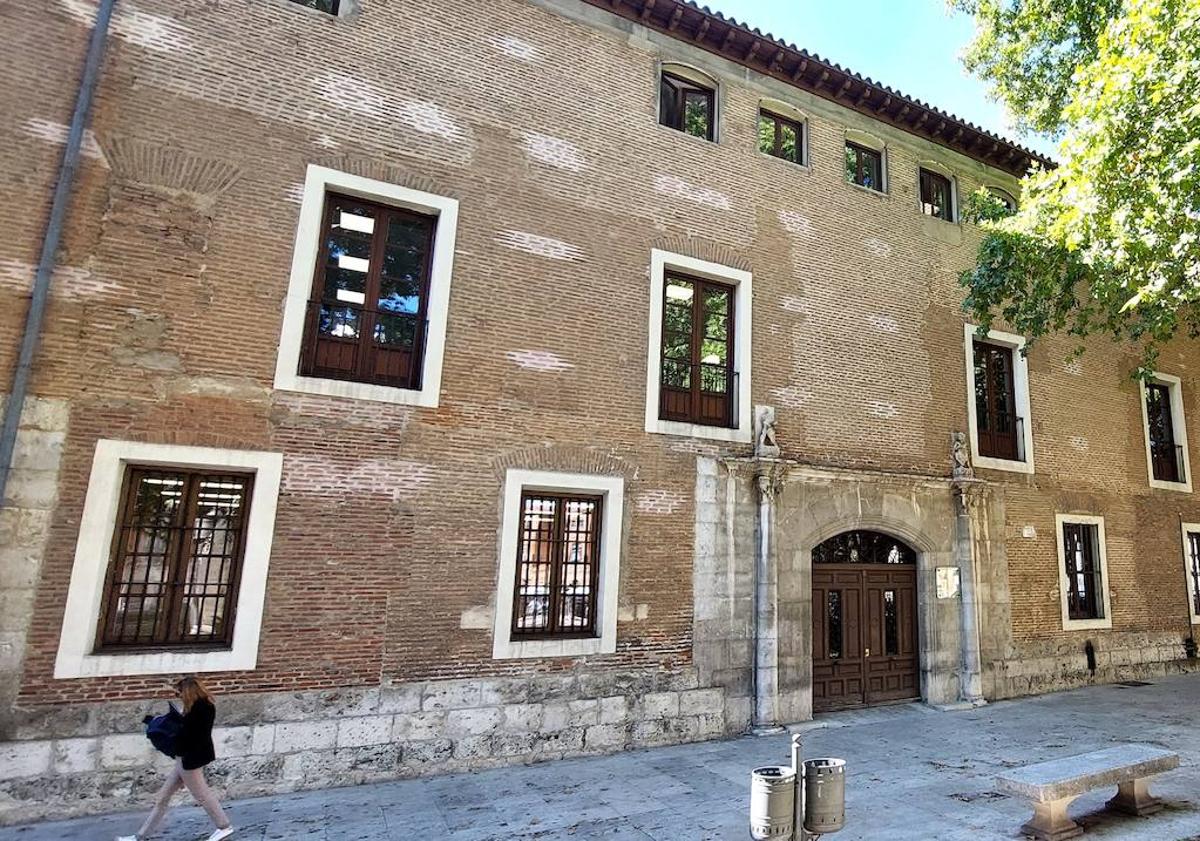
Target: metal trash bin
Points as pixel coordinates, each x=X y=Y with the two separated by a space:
x=824 y=795
x=772 y=802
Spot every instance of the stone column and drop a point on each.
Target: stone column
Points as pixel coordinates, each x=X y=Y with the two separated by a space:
x=970 y=686
x=766 y=619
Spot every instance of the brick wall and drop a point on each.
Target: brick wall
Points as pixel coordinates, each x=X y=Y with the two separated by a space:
x=540 y=117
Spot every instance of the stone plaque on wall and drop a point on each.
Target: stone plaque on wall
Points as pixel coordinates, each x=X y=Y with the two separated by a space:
x=947 y=582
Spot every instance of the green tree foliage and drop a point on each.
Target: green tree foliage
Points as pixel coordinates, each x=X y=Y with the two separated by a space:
x=1109 y=241
x=1028 y=50
x=985 y=206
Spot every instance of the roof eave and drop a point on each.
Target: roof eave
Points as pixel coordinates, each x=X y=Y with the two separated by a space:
x=712 y=31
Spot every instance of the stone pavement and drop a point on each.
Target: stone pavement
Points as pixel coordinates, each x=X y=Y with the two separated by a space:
x=914 y=774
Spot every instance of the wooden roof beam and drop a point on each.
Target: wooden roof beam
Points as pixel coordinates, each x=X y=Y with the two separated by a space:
x=863 y=96
x=800 y=68
x=647 y=9
x=675 y=16
x=702 y=31
x=730 y=34
x=887 y=100
x=845 y=87
x=750 y=53
x=777 y=61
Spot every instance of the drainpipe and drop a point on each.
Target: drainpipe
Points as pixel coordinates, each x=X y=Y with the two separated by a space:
x=54 y=229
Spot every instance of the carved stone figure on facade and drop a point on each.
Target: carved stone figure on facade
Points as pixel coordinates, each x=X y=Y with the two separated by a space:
x=961 y=452
x=765 y=445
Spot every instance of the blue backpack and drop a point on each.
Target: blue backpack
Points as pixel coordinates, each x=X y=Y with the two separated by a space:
x=163 y=730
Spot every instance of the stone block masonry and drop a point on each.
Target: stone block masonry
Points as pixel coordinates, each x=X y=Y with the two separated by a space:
x=276 y=742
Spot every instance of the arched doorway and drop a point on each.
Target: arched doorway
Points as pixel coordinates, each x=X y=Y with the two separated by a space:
x=865 y=644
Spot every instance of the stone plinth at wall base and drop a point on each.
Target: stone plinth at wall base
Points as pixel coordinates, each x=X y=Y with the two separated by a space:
x=960 y=706
x=1060 y=663
x=767 y=730
x=270 y=743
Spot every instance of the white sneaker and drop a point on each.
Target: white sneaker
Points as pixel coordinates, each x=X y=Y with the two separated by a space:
x=128 y=838
x=221 y=833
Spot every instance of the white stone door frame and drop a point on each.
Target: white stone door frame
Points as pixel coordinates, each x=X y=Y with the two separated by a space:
x=926 y=584
x=816 y=505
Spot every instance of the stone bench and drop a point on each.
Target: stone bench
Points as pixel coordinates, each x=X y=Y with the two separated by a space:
x=1053 y=785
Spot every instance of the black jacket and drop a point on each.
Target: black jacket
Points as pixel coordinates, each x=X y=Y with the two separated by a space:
x=194 y=745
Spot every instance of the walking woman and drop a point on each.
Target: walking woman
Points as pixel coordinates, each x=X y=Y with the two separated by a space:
x=194 y=749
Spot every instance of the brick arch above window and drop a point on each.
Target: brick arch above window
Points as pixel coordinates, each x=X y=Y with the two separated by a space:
x=384 y=171
x=703 y=249
x=565 y=459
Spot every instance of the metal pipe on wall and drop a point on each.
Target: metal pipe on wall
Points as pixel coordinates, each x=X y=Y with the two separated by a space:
x=54 y=228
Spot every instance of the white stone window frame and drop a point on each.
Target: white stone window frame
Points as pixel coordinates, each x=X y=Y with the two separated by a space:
x=319 y=181
x=696 y=76
x=612 y=489
x=1186 y=529
x=1179 y=429
x=1020 y=392
x=77 y=657
x=660 y=263
x=876 y=144
x=948 y=174
x=1068 y=623
x=791 y=112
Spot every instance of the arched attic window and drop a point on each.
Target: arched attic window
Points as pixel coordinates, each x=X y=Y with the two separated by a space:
x=782 y=132
x=1005 y=197
x=938 y=191
x=687 y=100
x=866 y=161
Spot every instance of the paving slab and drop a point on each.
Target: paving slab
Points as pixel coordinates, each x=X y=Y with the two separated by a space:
x=913 y=774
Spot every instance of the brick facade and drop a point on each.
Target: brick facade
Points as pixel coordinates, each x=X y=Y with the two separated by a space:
x=539 y=117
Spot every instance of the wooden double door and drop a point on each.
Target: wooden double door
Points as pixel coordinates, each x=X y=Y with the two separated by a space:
x=865 y=646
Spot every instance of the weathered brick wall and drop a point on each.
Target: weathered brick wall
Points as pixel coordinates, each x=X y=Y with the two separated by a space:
x=540 y=118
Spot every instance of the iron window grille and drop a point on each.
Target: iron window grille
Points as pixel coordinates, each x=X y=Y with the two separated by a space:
x=1084 y=575
x=999 y=431
x=687 y=106
x=558 y=565
x=863 y=547
x=864 y=166
x=698 y=381
x=367 y=318
x=176 y=559
x=936 y=196
x=780 y=137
